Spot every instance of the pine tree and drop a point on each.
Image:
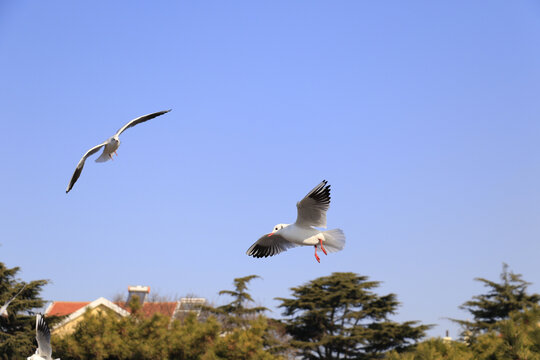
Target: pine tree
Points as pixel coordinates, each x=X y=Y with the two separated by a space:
x=339 y=317
x=238 y=311
x=17 y=331
x=239 y=316
x=435 y=349
x=501 y=300
x=516 y=338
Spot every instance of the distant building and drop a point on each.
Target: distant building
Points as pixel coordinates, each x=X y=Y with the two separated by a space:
x=188 y=305
x=447 y=339
x=140 y=291
x=74 y=311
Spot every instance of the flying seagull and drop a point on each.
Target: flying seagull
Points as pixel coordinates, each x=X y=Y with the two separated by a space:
x=3 y=309
x=109 y=146
x=311 y=213
x=43 y=337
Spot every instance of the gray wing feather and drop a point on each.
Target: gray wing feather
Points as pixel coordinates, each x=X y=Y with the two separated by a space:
x=312 y=208
x=80 y=165
x=4 y=307
x=43 y=337
x=139 y=120
x=269 y=245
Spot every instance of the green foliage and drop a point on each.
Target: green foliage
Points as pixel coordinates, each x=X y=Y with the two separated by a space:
x=135 y=306
x=502 y=299
x=192 y=339
x=517 y=337
x=239 y=333
x=107 y=337
x=434 y=349
x=245 y=343
x=339 y=317
x=238 y=310
x=240 y=314
x=97 y=337
x=506 y=326
x=17 y=331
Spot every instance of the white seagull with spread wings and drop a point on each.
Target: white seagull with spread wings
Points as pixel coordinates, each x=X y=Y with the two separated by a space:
x=3 y=309
x=311 y=213
x=43 y=338
x=109 y=146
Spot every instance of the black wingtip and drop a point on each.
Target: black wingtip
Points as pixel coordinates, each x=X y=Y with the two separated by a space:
x=42 y=325
x=258 y=251
x=321 y=193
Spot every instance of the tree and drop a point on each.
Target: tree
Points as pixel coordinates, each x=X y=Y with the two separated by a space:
x=238 y=311
x=103 y=336
x=339 y=317
x=246 y=342
x=501 y=300
x=239 y=316
x=517 y=337
x=435 y=349
x=17 y=331
x=98 y=336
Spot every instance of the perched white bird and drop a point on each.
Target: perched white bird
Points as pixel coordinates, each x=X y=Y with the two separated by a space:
x=3 y=309
x=311 y=213
x=109 y=146
x=43 y=337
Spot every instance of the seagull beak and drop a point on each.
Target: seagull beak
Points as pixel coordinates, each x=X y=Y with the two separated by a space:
x=270 y=234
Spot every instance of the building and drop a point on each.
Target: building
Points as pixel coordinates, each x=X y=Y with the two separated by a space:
x=73 y=311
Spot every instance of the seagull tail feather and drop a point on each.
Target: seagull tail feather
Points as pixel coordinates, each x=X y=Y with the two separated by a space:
x=334 y=240
x=103 y=157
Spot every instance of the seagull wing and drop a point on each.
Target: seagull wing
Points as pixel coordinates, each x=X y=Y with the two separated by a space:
x=139 y=120
x=80 y=165
x=269 y=245
x=312 y=209
x=4 y=307
x=43 y=337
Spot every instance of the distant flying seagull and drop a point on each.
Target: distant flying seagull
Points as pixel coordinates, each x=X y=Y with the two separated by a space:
x=311 y=213
x=3 y=309
x=43 y=337
x=110 y=146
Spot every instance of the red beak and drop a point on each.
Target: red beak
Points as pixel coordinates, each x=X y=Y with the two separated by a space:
x=270 y=234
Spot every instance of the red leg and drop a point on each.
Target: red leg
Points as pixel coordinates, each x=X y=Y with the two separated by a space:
x=111 y=157
x=323 y=250
x=317 y=256
x=115 y=153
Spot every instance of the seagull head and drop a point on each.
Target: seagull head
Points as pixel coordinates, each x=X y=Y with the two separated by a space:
x=277 y=228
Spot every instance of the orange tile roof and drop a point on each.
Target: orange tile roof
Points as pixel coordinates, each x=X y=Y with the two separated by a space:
x=61 y=308
x=151 y=308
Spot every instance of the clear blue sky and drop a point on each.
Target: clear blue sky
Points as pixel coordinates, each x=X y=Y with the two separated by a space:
x=424 y=116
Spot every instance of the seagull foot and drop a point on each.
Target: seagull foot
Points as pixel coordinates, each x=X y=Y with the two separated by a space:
x=317 y=256
x=323 y=249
